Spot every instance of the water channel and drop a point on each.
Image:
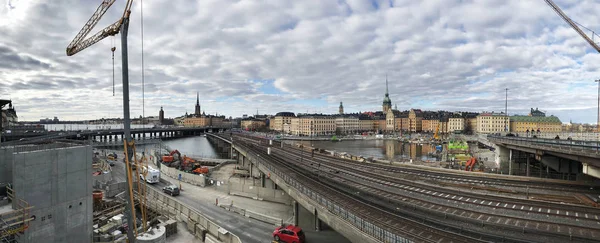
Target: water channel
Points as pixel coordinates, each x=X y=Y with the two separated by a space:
x=380 y=149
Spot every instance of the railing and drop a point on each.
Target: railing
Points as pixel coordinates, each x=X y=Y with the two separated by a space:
x=332 y=206
x=571 y=145
x=14 y=222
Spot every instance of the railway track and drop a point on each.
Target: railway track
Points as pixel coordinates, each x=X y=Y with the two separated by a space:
x=574 y=220
x=583 y=227
x=413 y=230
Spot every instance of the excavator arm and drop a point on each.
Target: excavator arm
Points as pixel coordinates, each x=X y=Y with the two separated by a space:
x=573 y=25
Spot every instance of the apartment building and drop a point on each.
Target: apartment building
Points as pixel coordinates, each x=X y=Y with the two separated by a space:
x=456 y=123
x=490 y=122
x=347 y=124
x=278 y=123
x=522 y=124
x=313 y=125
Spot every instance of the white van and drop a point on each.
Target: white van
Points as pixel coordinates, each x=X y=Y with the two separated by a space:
x=152 y=177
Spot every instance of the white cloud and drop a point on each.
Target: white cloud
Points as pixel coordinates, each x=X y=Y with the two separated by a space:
x=443 y=54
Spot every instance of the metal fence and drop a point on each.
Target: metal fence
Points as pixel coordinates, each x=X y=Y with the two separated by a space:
x=333 y=207
x=571 y=145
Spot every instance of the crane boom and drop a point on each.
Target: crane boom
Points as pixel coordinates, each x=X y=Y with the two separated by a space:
x=91 y=23
x=572 y=24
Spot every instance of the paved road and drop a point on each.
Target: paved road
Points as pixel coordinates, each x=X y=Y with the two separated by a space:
x=249 y=230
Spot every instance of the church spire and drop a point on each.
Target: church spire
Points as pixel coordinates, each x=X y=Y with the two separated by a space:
x=197 y=108
x=386 y=85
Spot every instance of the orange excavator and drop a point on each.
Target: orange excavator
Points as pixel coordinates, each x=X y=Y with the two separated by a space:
x=200 y=170
x=471 y=164
x=169 y=158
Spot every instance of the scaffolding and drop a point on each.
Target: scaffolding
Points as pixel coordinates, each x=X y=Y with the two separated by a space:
x=14 y=223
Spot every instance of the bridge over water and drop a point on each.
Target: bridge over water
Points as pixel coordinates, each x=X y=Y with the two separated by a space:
x=576 y=157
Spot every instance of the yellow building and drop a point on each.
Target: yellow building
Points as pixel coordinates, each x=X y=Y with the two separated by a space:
x=522 y=124
x=313 y=125
x=204 y=121
x=456 y=124
x=347 y=124
x=415 y=117
x=253 y=124
x=492 y=123
x=471 y=124
x=281 y=119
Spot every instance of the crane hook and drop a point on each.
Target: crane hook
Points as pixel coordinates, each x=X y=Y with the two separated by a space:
x=113 y=62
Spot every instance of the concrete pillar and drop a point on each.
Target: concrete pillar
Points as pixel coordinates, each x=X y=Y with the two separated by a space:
x=262 y=179
x=510 y=172
x=317 y=221
x=528 y=165
x=295 y=208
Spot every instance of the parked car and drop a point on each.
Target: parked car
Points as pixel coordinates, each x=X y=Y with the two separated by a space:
x=289 y=234
x=172 y=190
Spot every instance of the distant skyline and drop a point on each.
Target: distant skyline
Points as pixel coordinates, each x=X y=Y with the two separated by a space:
x=303 y=56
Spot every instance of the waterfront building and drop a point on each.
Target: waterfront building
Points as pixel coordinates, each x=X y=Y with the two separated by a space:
x=415 y=117
x=456 y=123
x=281 y=120
x=253 y=124
x=490 y=122
x=313 y=125
x=538 y=121
x=347 y=124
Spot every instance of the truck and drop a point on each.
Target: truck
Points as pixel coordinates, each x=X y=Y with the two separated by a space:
x=152 y=177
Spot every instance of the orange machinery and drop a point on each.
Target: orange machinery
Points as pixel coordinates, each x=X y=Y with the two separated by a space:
x=169 y=158
x=200 y=170
x=471 y=164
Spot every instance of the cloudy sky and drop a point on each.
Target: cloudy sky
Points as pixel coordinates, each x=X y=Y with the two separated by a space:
x=302 y=56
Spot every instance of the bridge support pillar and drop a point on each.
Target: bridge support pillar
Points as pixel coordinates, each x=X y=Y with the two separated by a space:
x=262 y=179
x=317 y=221
x=510 y=161
x=296 y=216
x=591 y=170
x=528 y=164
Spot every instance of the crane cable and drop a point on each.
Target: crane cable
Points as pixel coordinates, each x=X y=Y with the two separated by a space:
x=113 y=48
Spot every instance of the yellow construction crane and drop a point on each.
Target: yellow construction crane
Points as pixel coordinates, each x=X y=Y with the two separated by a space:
x=575 y=25
x=78 y=44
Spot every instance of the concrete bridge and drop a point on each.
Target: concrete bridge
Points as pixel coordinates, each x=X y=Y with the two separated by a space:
x=563 y=156
x=115 y=134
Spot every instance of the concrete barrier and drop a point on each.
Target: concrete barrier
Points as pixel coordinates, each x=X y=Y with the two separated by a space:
x=252 y=214
x=264 y=218
x=198 y=180
x=195 y=221
x=259 y=193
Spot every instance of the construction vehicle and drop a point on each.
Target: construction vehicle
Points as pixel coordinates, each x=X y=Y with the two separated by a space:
x=112 y=156
x=200 y=170
x=470 y=164
x=170 y=158
x=436 y=135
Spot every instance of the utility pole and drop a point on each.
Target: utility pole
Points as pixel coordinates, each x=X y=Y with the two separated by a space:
x=598 y=121
x=506 y=111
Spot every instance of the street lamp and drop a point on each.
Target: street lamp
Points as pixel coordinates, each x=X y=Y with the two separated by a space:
x=598 y=121
x=506 y=111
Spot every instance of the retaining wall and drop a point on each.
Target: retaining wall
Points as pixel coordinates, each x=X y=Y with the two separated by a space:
x=252 y=214
x=259 y=193
x=195 y=221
